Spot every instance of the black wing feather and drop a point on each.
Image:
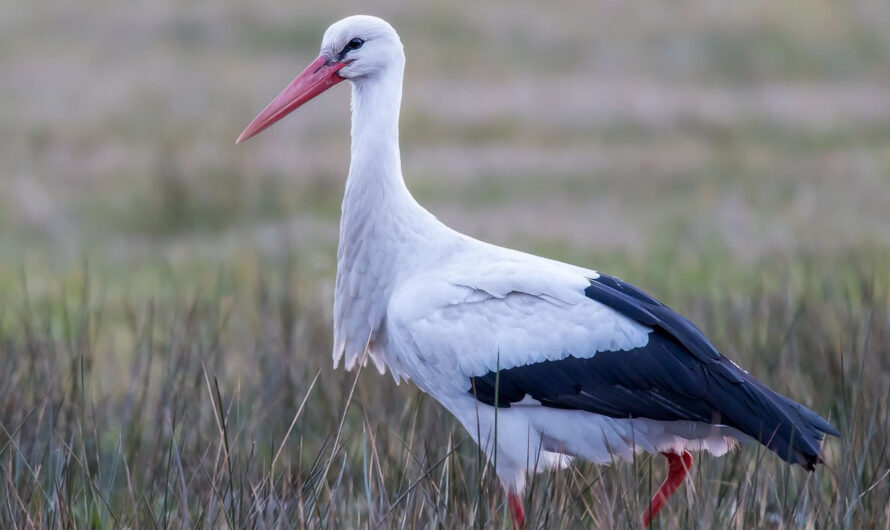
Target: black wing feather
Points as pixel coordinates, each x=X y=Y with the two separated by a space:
x=677 y=375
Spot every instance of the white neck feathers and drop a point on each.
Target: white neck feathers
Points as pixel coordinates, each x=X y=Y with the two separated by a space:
x=382 y=228
x=375 y=168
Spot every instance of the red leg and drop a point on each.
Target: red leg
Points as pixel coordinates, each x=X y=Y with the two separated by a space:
x=515 y=503
x=678 y=466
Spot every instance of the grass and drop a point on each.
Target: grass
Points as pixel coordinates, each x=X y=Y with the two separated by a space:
x=212 y=403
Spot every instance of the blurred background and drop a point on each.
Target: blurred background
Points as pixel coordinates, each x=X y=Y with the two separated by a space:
x=595 y=127
x=732 y=158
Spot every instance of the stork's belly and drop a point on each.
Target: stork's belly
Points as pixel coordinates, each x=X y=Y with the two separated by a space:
x=522 y=433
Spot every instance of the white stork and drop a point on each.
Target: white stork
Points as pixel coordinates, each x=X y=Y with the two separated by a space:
x=540 y=361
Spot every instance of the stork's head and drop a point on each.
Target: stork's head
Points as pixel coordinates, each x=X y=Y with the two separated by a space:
x=366 y=45
x=357 y=48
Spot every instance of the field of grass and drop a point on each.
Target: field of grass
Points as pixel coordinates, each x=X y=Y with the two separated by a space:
x=165 y=296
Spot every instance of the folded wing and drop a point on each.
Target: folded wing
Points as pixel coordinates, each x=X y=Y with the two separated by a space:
x=594 y=343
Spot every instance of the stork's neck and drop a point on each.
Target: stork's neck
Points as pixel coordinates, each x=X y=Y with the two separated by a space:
x=384 y=233
x=375 y=172
x=381 y=225
x=376 y=199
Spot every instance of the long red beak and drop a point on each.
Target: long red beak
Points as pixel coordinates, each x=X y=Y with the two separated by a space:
x=315 y=79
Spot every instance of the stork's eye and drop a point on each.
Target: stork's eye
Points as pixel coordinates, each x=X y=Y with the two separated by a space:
x=355 y=44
